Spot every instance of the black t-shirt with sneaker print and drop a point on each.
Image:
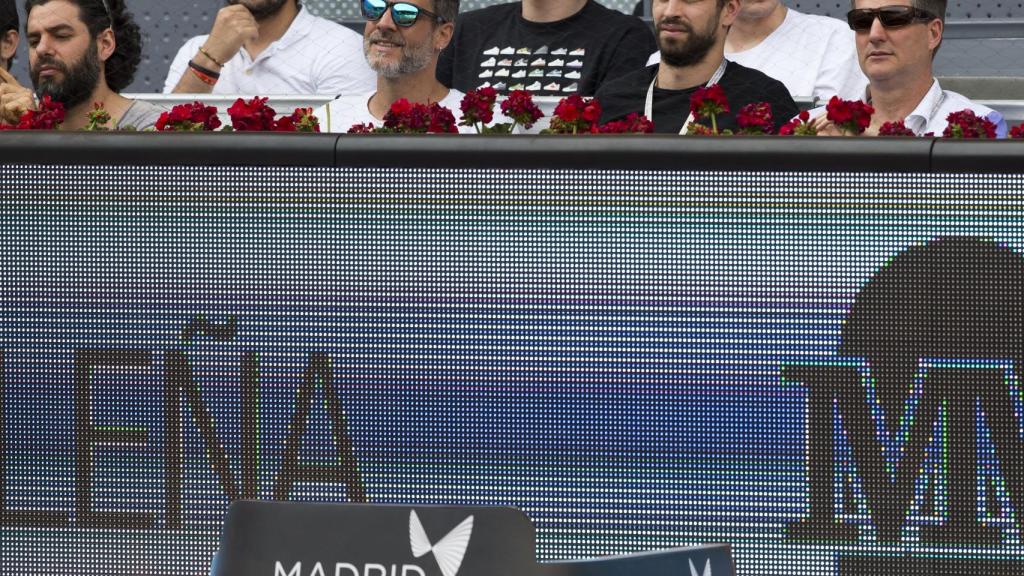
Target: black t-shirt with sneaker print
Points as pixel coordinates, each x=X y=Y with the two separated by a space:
x=496 y=47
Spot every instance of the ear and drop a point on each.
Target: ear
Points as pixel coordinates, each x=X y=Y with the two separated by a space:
x=730 y=11
x=935 y=28
x=443 y=35
x=8 y=45
x=105 y=44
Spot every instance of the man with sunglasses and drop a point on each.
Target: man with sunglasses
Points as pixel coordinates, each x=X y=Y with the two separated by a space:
x=401 y=42
x=270 y=47
x=551 y=48
x=896 y=43
x=80 y=52
x=691 y=38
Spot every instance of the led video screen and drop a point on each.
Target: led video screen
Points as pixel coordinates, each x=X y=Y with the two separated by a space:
x=821 y=369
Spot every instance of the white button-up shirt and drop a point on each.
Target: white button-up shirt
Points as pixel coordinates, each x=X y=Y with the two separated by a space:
x=315 y=56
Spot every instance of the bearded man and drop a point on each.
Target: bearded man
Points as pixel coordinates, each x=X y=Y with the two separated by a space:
x=261 y=47
x=691 y=38
x=402 y=42
x=81 y=52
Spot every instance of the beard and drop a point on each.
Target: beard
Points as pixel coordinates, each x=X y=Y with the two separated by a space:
x=79 y=79
x=261 y=9
x=690 y=51
x=414 y=58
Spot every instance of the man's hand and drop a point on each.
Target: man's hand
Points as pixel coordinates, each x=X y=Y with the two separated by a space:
x=15 y=99
x=233 y=27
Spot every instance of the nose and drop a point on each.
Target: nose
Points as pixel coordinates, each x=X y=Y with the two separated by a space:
x=386 y=21
x=44 y=46
x=877 y=31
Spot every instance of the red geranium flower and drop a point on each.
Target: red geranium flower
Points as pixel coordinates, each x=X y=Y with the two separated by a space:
x=189 y=117
x=898 y=128
x=478 y=107
x=965 y=124
x=49 y=116
x=301 y=120
x=707 y=102
x=252 y=115
x=850 y=116
x=575 y=114
x=799 y=126
x=1017 y=131
x=755 y=118
x=519 y=106
x=632 y=124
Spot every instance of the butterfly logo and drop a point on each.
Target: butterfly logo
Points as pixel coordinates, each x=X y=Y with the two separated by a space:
x=448 y=551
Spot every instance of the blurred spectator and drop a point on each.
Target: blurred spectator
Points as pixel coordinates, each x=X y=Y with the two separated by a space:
x=896 y=42
x=270 y=47
x=691 y=37
x=80 y=52
x=8 y=32
x=549 y=48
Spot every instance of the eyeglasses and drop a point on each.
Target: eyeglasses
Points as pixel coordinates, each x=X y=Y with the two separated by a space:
x=403 y=14
x=862 y=19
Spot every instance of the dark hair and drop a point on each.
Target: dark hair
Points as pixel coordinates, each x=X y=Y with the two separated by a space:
x=447 y=9
x=8 y=22
x=98 y=15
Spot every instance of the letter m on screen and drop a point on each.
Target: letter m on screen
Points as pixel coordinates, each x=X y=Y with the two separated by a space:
x=960 y=398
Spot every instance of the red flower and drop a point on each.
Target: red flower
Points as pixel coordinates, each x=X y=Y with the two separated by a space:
x=478 y=107
x=709 y=101
x=850 y=116
x=799 y=126
x=898 y=128
x=519 y=107
x=633 y=124
x=755 y=118
x=400 y=107
x=408 y=118
x=49 y=116
x=301 y=120
x=1017 y=131
x=189 y=117
x=441 y=120
x=362 y=129
x=575 y=114
x=965 y=124
x=251 y=115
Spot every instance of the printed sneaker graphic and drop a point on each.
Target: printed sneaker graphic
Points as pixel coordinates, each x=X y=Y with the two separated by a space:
x=533 y=87
x=492 y=51
x=538 y=62
x=516 y=87
x=503 y=73
x=557 y=62
x=488 y=63
x=523 y=51
x=578 y=52
x=449 y=551
x=519 y=74
x=574 y=75
x=553 y=87
x=560 y=52
x=505 y=62
x=541 y=50
x=556 y=73
x=574 y=87
x=522 y=62
x=575 y=64
x=536 y=72
x=508 y=50
x=487 y=73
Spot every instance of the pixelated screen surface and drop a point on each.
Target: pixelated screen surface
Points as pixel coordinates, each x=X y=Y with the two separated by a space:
x=817 y=368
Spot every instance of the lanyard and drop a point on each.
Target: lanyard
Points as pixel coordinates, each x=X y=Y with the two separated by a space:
x=649 y=104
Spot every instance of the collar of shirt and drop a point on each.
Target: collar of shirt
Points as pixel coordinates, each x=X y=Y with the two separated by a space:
x=299 y=29
x=922 y=115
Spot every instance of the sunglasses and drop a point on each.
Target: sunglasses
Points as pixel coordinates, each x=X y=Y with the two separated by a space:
x=862 y=19
x=403 y=14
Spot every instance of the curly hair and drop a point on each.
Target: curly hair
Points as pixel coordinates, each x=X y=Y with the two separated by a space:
x=98 y=15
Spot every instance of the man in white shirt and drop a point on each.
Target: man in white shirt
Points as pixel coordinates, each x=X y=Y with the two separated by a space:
x=896 y=42
x=813 y=56
x=260 y=47
x=401 y=41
